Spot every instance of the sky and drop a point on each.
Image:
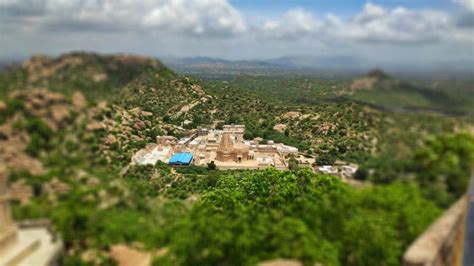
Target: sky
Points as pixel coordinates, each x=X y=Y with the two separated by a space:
x=423 y=32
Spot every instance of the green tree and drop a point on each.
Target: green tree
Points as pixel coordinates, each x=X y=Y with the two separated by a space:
x=211 y=166
x=325 y=159
x=264 y=215
x=293 y=164
x=446 y=159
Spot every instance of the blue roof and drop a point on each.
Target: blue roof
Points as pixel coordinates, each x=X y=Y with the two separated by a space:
x=181 y=158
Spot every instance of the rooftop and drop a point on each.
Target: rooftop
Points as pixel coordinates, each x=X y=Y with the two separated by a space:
x=181 y=158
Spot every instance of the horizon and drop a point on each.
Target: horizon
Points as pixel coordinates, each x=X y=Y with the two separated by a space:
x=309 y=65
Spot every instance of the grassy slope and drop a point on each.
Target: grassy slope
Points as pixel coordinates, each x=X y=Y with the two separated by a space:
x=404 y=97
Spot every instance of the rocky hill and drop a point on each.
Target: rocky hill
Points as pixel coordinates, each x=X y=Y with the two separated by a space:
x=144 y=99
x=374 y=79
x=33 y=122
x=97 y=76
x=163 y=93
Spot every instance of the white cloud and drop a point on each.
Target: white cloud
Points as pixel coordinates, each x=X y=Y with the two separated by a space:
x=469 y=4
x=199 y=16
x=371 y=12
x=218 y=18
x=189 y=16
x=190 y=27
x=294 y=23
x=376 y=23
x=373 y=24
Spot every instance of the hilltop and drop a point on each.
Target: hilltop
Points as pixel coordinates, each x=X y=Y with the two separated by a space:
x=97 y=76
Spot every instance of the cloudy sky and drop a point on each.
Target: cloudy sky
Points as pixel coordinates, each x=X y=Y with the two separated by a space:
x=387 y=31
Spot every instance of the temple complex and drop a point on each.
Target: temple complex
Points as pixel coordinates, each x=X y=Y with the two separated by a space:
x=34 y=245
x=228 y=151
x=236 y=130
x=227 y=148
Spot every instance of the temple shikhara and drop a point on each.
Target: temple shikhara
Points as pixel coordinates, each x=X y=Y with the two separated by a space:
x=24 y=245
x=227 y=148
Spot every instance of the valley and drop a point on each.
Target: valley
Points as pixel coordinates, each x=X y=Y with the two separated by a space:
x=70 y=126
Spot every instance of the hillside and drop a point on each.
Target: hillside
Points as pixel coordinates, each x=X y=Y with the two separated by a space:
x=320 y=119
x=162 y=93
x=386 y=93
x=68 y=159
x=97 y=76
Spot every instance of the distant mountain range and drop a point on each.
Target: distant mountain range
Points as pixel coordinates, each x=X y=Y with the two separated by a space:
x=217 y=63
x=287 y=62
x=5 y=63
x=324 y=66
x=320 y=65
x=11 y=59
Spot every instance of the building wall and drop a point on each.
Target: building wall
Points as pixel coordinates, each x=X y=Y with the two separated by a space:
x=441 y=243
x=24 y=246
x=235 y=130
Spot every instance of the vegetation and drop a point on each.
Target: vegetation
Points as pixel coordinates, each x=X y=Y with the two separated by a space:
x=394 y=95
x=269 y=214
x=446 y=162
x=412 y=166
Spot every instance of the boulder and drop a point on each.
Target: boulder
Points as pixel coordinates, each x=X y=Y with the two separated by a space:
x=291 y=114
x=280 y=128
x=127 y=256
x=78 y=100
x=3 y=106
x=281 y=262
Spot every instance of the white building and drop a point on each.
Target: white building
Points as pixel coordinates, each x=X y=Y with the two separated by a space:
x=152 y=154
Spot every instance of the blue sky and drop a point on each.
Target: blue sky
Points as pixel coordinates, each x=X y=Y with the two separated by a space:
x=384 y=32
x=344 y=8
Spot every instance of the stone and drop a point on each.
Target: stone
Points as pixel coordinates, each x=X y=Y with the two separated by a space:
x=437 y=245
x=99 y=77
x=127 y=256
x=136 y=138
x=102 y=105
x=78 y=100
x=3 y=106
x=95 y=126
x=93 y=182
x=110 y=139
x=280 y=128
x=56 y=186
x=21 y=191
x=139 y=125
x=290 y=115
x=145 y=113
x=60 y=113
x=281 y=262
